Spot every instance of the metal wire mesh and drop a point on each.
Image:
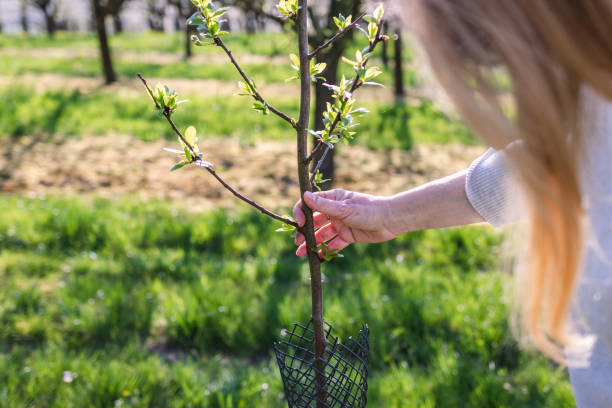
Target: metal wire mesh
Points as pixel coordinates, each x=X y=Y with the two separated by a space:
x=346 y=368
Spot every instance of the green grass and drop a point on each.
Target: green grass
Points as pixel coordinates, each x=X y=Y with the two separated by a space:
x=90 y=67
x=73 y=113
x=157 y=307
x=258 y=43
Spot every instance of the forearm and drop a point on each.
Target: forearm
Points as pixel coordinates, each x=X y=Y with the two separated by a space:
x=437 y=204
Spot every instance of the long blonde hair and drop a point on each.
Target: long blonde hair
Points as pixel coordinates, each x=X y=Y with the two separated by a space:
x=551 y=50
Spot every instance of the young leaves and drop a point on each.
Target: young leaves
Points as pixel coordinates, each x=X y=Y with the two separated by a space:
x=318 y=179
x=288 y=8
x=207 y=20
x=315 y=69
x=329 y=254
x=286 y=227
x=191 y=151
x=342 y=22
x=166 y=99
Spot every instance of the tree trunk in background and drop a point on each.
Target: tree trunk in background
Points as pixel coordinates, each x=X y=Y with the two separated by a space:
x=251 y=21
x=24 y=17
x=398 y=89
x=331 y=56
x=323 y=95
x=385 y=55
x=187 y=42
x=49 y=23
x=117 y=23
x=107 y=64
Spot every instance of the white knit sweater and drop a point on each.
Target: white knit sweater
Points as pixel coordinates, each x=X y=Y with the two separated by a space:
x=489 y=186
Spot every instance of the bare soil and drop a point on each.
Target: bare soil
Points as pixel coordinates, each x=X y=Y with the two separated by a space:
x=133 y=87
x=120 y=165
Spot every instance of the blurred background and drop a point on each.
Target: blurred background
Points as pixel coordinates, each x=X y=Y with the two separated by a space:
x=124 y=285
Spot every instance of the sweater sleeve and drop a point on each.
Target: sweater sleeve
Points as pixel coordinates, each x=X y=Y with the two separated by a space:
x=492 y=189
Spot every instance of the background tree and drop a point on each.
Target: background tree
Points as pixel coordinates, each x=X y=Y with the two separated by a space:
x=49 y=8
x=398 y=69
x=324 y=26
x=184 y=9
x=254 y=12
x=25 y=26
x=156 y=12
x=102 y=9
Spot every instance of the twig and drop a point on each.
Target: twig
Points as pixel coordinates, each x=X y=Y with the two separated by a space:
x=195 y=159
x=314 y=262
x=336 y=36
x=256 y=95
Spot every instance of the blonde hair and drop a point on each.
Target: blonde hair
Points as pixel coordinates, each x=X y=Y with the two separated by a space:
x=551 y=50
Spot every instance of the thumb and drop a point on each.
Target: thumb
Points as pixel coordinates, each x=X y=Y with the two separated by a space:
x=323 y=205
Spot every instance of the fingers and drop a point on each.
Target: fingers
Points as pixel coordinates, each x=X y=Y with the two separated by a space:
x=334 y=195
x=322 y=235
x=319 y=219
x=325 y=234
x=298 y=214
x=330 y=207
x=336 y=243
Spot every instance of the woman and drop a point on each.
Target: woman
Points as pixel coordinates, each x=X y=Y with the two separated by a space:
x=555 y=148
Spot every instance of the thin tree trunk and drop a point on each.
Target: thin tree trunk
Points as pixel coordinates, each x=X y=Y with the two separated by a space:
x=107 y=64
x=398 y=89
x=320 y=342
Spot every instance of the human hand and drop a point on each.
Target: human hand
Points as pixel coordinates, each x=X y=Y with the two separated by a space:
x=344 y=217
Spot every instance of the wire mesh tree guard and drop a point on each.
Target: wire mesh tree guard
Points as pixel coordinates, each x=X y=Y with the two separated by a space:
x=345 y=368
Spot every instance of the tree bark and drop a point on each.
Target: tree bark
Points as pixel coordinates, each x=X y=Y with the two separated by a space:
x=25 y=26
x=398 y=77
x=107 y=64
x=49 y=23
x=385 y=51
x=187 y=42
x=117 y=23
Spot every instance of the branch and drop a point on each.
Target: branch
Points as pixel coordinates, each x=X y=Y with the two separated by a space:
x=257 y=96
x=336 y=36
x=196 y=159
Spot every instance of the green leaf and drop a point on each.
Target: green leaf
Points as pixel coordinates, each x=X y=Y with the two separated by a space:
x=190 y=136
x=285 y=228
x=296 y=60
x=179 y=165
x=195 y=19
x=379 y=13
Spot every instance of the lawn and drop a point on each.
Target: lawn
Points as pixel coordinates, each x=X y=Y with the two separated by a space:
x=142 y=303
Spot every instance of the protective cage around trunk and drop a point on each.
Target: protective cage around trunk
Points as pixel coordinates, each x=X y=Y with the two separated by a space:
x=346 y=368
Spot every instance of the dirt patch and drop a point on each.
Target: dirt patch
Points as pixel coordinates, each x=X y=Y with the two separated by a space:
x=203 y=87
x=118 y=165
x=150 y=57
